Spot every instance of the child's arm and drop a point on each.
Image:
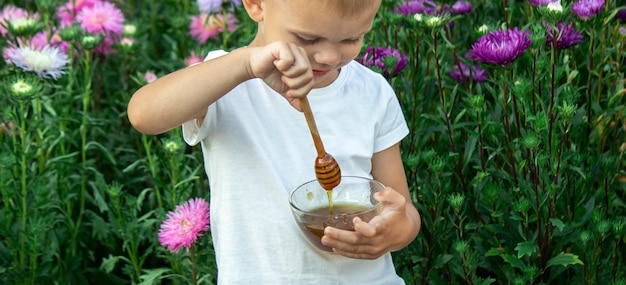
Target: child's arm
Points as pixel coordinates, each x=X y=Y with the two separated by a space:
x=185 y=94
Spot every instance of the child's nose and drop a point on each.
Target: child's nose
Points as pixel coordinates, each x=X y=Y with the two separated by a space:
x=327 y=56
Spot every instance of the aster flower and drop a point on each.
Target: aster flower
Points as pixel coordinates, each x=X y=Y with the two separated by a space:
x=463 y=73
x=621 y=14
x=388 y=61
x=412 y=7
x=48 y=62
x=129 y=30
x=586 y=9
x=9 y=128
x=566 y=35
x=126 y=44
x=209 y=6
x=66 y=13
x=538 y=3
x=149 y=76
x=205 y=26
x=460 y=7
x=184 y=225
x=43 y=38
x=102 y=18
x=500 y=47
x=12 y=15
x=24 y=27
x=193 y=59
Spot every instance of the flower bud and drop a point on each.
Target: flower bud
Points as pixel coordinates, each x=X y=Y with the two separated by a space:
x=90 y=42
x=461 y=246
x=456 y=200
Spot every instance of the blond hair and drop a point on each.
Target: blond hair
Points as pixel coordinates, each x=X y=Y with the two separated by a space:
x=350 y=8
x=343 y=8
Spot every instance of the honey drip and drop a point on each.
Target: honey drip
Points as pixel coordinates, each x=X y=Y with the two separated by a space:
x=329 y=193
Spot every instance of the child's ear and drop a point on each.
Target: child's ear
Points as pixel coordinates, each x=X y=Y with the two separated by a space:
x=254 y=9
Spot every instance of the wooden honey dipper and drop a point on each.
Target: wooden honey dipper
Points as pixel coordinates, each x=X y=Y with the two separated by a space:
x=327 y=170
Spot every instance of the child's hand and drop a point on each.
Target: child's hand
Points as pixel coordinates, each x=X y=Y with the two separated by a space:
x=285 y=68
x=385 y=232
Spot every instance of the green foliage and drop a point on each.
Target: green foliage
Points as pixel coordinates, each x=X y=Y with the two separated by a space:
x=519 y=179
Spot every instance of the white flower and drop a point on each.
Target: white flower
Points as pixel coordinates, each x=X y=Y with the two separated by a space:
x=555 y=7
x=434 y=21
x=129 y=30
x=46 y=62
x=484 y=29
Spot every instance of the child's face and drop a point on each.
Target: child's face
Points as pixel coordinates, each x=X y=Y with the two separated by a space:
x=331 y=39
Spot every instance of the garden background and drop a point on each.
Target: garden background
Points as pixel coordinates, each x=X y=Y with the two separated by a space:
x=515 y=158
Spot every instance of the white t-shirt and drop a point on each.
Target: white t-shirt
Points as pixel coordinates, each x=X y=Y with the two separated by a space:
x=257 y=148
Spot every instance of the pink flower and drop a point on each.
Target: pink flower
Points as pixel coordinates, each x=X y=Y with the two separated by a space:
x=9 y=128
x=193 y=59
x=183 y=226
x=149 y=76
x=10 y=13
x=43 y=39
x=103 y=18
x=68 y=11
x=204 y=26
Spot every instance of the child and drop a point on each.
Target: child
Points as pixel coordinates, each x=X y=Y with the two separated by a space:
x=257 y=147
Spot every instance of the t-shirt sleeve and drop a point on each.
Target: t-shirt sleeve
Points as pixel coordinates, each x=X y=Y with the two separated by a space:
x=195 y=131
x=393 y=128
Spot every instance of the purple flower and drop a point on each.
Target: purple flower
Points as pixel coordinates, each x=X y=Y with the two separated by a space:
x=213 y=6
x=538 y=3
x=209 y=6
x=183 y=226
x=566 y=36
x=461 y=7
x=388 y=61
x=418 y=7
x=500 y=47
x=586 y=9
x=463 y=73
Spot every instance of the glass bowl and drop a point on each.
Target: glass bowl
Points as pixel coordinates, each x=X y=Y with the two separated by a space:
x=353 y=197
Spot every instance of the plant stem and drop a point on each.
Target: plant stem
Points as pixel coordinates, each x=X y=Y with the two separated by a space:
x=507 y=125
x=589 y=81
x=152 y=167
x=23 y=184
x=194 y=278
x=84 y=126
x=442 y=98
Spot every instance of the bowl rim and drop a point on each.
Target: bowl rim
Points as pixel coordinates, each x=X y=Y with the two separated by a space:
x=375 y=206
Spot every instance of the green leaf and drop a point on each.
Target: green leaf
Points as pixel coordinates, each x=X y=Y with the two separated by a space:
x=557 y=223
x=104 y=151
x=564 y=259
x=514 y=261
x=151 y=275
x=526 y=248
x=108 y=263
x=494 y=251
x=441 y=260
